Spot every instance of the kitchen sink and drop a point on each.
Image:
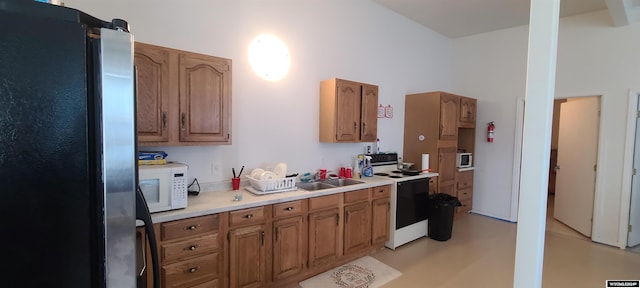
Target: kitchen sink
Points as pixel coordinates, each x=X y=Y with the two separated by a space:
x=341 y=182
x=313 y=186
x=327 y=184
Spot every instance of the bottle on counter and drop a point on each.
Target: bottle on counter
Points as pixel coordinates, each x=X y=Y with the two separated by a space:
x=368 y=170
x=357 y=167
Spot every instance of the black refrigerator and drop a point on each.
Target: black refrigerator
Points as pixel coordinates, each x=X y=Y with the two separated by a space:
x=68 y=170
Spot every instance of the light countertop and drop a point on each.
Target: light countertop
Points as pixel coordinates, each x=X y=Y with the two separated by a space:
x=221 y=201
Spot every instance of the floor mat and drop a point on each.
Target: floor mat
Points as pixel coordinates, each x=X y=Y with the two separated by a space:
x=366 y=272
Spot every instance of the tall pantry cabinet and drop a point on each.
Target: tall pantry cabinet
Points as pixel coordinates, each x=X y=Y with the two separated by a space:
x=442 y=124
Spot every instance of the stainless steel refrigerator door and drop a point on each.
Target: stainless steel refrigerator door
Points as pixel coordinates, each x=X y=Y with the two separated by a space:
x=119 y=159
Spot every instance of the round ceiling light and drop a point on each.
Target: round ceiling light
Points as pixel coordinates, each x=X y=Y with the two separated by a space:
x=269 y=57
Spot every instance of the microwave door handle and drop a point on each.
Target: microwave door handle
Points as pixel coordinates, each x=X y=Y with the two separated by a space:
x=142 y=213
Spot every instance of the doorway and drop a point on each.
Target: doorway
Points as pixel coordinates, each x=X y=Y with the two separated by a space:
x=633 y=237
x=572 y=170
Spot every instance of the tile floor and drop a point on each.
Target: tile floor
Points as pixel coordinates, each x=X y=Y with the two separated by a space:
x=481 y=254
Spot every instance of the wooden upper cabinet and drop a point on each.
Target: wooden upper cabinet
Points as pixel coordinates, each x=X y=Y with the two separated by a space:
x=205 y=101
x=153 y=90
x=183 y=98
x=449 y=116
x=348 y=104
x=348 y=111
x=369 y=113
x=467 y=112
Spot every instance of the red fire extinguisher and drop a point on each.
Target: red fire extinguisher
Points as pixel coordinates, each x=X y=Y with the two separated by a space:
x=490 y=128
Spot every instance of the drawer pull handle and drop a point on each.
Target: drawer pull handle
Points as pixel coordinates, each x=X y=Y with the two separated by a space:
x=192 y=247
x=248 y=216
x=192 y=227
x=192 y=269
x=381 y=190
x=288 y=208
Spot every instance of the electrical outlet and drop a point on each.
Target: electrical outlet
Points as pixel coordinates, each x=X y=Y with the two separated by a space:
x=215 y=170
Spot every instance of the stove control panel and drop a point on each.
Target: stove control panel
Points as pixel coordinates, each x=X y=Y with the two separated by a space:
x=384 y=159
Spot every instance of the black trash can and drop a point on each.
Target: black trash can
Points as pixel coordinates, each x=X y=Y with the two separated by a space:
x=441 y=215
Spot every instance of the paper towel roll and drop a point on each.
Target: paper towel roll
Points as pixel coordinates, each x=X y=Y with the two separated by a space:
x=425 y=161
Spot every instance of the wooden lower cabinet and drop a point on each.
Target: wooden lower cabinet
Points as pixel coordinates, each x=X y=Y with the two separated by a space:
x=464 y=191
x=273 y=245
x=324 y=236
x=380 y=217
x=247 y=257
x=189 y=251
x=289 y=247
x=357 y=227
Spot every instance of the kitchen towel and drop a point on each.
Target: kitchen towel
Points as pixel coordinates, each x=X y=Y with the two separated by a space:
x=425 y=161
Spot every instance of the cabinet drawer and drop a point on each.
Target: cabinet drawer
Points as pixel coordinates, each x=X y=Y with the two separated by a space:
x=465 y=179
x=287 y=209
x=356 y=196
x=192 y=271
x=465 y=194
x=190 y=247
x=381 y=192
x=329 y=201
x=247 y=216
x=189 y=227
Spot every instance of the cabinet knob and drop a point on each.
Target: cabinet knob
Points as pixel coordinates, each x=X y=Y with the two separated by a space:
x=192 y=269
x=192 y=227
x=192 y=247
x=248 y=216
x=288 y=208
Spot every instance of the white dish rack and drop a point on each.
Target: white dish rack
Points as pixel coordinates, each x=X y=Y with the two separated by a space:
x=271 y=186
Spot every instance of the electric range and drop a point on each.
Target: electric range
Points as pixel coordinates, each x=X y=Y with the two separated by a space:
x=409 y=200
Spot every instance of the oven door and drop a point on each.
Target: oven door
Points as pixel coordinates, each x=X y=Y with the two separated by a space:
x=412 y=202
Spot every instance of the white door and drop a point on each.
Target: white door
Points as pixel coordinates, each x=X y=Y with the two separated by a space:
x=633 y=238
x=577 y=154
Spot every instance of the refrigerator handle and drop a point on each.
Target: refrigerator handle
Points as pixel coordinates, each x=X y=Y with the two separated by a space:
x=142 y=213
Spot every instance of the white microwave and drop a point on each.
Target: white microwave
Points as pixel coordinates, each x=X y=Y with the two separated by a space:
x=164 y=186
x=464 y=160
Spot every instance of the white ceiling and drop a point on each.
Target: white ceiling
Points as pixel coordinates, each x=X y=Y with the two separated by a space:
x=459 y=18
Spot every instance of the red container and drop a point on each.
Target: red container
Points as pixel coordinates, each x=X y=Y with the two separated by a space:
x=235 y=183
x=322 y=174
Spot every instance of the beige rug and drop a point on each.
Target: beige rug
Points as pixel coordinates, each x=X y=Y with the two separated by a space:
x=366 y=272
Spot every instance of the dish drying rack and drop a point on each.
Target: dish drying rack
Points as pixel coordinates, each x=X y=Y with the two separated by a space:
x=260 y=187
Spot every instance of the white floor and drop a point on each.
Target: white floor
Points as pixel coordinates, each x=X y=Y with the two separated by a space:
x=481 y=254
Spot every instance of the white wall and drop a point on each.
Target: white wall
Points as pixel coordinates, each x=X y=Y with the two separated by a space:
x=272 y=122
x=594 y=58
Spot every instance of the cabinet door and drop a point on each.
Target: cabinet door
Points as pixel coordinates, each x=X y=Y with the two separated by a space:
x=247 y=254
x=288 y=247
x=348 y=111
x=205 y=98
x=447 y=170
x=357 y=228
x=449 y=105
x=369 y=112
x=152 y=92
x=467 y=112
x=324 y=237
x=380 y=220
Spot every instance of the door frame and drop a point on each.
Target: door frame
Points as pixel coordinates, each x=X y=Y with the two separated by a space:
x=627 y=168
x=598 y=194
